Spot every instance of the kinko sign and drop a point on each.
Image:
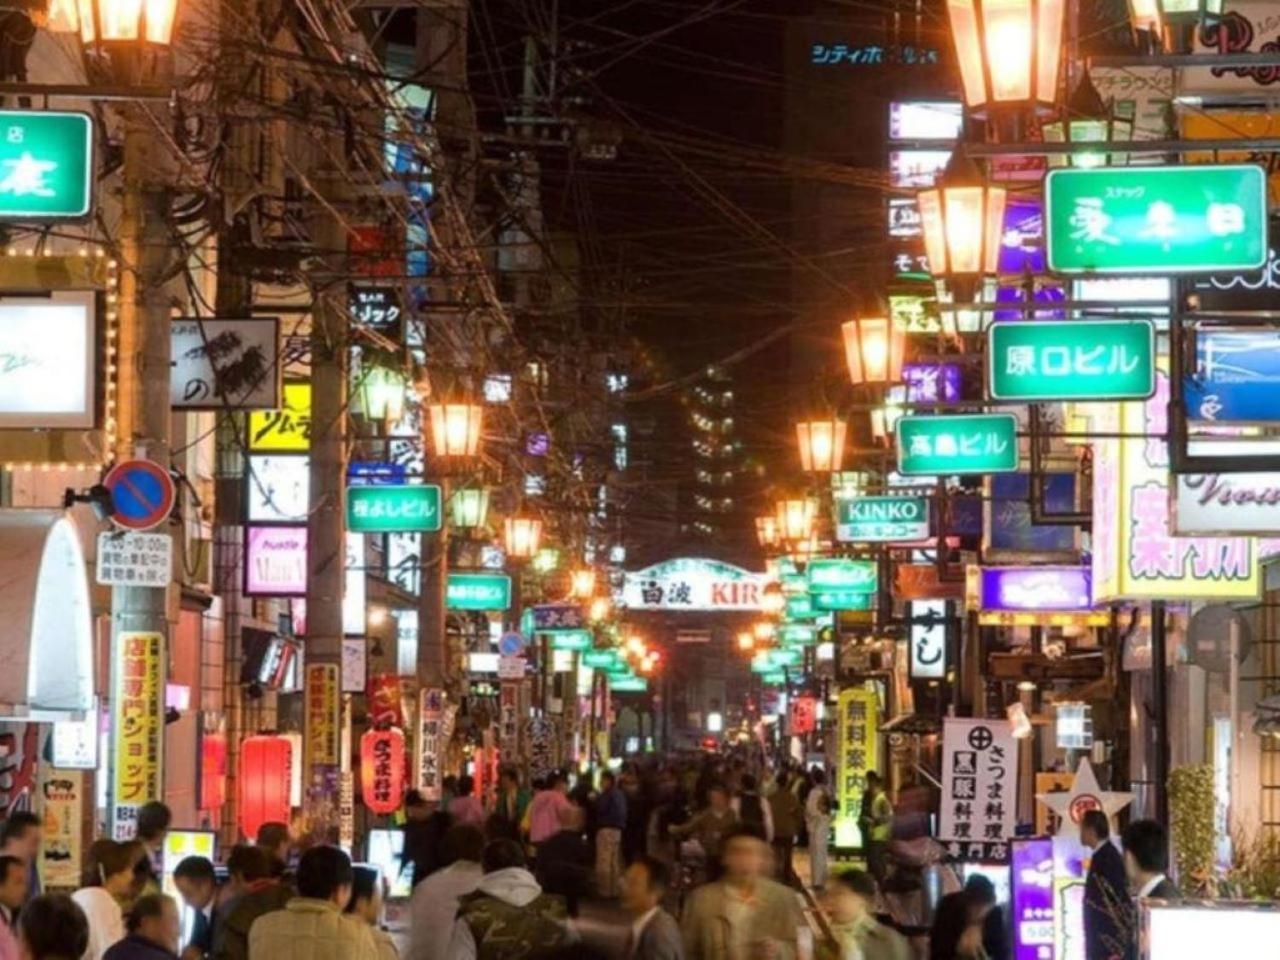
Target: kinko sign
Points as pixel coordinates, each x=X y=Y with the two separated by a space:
x=692 y=583
x=882 y=518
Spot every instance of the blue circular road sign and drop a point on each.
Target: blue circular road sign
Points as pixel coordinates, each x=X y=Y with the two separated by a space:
x=142 y=494
x=511 y=644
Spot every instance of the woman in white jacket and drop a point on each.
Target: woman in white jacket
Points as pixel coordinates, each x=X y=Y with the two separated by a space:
x=107 y=882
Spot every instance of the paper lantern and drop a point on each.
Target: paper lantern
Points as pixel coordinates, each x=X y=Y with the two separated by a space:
x=382 y=770
x=264 y=773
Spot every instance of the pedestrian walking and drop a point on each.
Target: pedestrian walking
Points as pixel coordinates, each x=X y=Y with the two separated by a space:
x=198 y=886
x=21 y=837
x=366 y=906
x=13 y=894
x=654 y=933
x=546 y=808
x=434 y=903
x=875 y=819
x=709 y=826
x=509 y=804
x=53 y=927
x=850 y=902
x=786 y=813
x=107 y=881
x=508 y=915
x=424 y=829
x=817 y=819
x=1146 y=860
x=744 y=913
x=312 y=925
x=153 y=823
x=259 y=891
x=1108 y=912
x=152 y=930
x=611 y=820
x=751 y=808
x=466 y=808
x=563 y=867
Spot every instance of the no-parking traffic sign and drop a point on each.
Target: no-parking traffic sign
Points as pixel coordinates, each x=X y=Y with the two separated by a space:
x=142 y=494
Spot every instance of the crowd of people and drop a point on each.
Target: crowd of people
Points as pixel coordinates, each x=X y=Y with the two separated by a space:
x=503 y=877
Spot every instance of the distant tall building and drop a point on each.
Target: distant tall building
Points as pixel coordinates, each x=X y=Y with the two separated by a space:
x=717 y=459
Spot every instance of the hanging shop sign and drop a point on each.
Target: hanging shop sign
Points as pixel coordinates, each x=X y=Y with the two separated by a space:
x=404 y=567
x=388 y=699
x=628 y=684
x=130 y=559
x=382 y=770
x=49 y=345
x=137 y=727
x=913 y=313
x=1227 y=504
x=46 y=165
x=857 y=725
x=601 y=659
x=354 y=585
x=979 y=788
x=322 y=696
x=287 y=428
x=369 y=473
x=925 y=120
x=62 y=836
x=225 y=364
x=1031 y=898
x=904 y=218
x=393 y=509
x=275 y=561
x=571 y=640
x=1073 y=360
x=957 y=444
x=1134 y=554
x=928 y=639
x=541 y=741
x=842 y=574
x=1030 y=589
x=555 y=617
x=1236 y=377
x=1010 y=532
x=377 y=308
x=1164 y=220
x=213 y=762
x=932 y=382
x=882 y=519
x=924 y=581
x=278 y=488
x=354 y=664
x=1248 y=26
x=75 y=742
x=797 y=634
x=694 y=583
x=478 y=591
x=430 y=746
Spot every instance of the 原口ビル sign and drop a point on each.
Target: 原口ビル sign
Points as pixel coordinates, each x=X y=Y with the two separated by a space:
x=1074 y=360
x=1190 y=219
x=393 y=509
x=958 y=443
x=882 y=518
x=46 y=165
x=478 y=591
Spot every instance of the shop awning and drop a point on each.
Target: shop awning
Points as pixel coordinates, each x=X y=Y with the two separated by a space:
x=46 y=624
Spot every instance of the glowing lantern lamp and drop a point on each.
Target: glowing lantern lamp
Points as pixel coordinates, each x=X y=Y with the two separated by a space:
x=1088 y=119
x=873 y=349
x=124 y=21
x=963 y=222
x=382 y=770
x=469 y=507
x=582 y=583
x=767 y=530
x=1009 y=51
x=455 y=428
x=795 y=518
x=264 y=774
x=382 y=393
x=1172 y=20
x=521 y=536
x=821 y=445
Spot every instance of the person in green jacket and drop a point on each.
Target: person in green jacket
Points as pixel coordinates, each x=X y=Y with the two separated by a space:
x=849 y=902
x=261 y=891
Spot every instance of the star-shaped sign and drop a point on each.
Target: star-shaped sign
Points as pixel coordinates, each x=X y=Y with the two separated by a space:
x=1084 y=795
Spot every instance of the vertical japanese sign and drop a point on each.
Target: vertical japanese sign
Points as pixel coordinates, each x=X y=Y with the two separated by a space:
x=137 y=727
x=61 y=795
x=542 y=746
x=858 y=728
x=382 y=763
x=979 y=788
x=430 y=718
x=323 y=703
x=509 y=720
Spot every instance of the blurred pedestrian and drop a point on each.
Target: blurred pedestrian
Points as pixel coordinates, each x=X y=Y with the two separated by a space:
x=563 y=867
x=850 y=902
x=261 y=891
x=197 y=884
x=312 y=925
x=434 y=903
x=107 y=881
x=466 y=808
x=546 y=808
x=153 y=928
x=508 y=915
x=509 y=804
x=955 y=935
x=751 y=808
x=21 y=837
x=875 y=819
x=276 y=841
x=786 y=813
x=988 y=915
x=1108 y=912
x=709 y=826
x=654 y=933
x=13 y=894
x=424 y=830
x=1146 y=859
x=744 y=915
x=53 y=927
x=611 y=820
x=366 y=906
x=817 y=818
x=153 y=822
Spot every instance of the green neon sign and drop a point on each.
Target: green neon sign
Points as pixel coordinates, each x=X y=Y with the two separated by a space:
x=882 y=519
x=774 y=678
x=478 y=591
x=786 y=656
x=842 y=574
x=629 y=685
x=1160 y=220
x=799 y=607
x=799 y=634
x=46 y=165
x=600 y=659
x=569 y=639
x=957 y=443
x=393 y=509
x=1078 y=360
x=829 y=600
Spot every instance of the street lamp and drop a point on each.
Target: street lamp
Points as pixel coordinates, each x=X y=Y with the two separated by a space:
x=1009 y=51
x=1087 y=118
x=767 y=531
x=873 y=349
x=1172 y=21
x=126 y=21
x=795 y=517
x=382 y=393
x=963 y=222
x=469 y=507
x=455 y=429
x=582 y=583
x=821 y=444
x=521 y=536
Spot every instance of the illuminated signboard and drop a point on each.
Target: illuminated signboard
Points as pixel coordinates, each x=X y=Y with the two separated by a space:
x=1022 y=589
x=1037 y=360
x=478 y=591
x=49 y=345
x=276 y=561
x=925 y=120
x=928 y=639
x=393 y=509
x=1236 y=377
x=932 y=382
x=46 y=165
x=693 y=584
x=957 y=443
x=904 y=218
x=917 y=169
x=1227 y=503
x=286 y=429
x=882 y=519
x=277 y=489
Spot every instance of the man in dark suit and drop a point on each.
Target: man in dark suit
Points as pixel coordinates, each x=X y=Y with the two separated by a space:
x=1146 y=858
x=1108 y=913
x=198 y=884
x=654 y=933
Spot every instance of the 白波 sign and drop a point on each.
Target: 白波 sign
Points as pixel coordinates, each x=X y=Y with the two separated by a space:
x=693 y=583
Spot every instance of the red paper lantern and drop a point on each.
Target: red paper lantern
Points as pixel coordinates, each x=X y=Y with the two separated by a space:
x=382 y=770
x=803 y=715
x=264 y=770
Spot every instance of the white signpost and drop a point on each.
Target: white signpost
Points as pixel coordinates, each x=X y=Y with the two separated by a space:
x=133 y=559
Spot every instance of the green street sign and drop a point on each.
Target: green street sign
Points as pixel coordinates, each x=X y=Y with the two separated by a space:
x=629 y=685
x=1161 y=220
x=570 y=639
x=46 y=165
x=957 y=443
x=799 y=607
x=793 y=583
x=478 y=591
x=600 y=659
x=1031 y=360
x=797 y=634
x=393 y=509
x=882 y=519
x=842 y=574
x=834 y=600
x=762 y=662
x=774 y=678
x=786 y=656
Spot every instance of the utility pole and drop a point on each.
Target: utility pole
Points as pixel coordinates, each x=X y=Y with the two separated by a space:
x=140 y=615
